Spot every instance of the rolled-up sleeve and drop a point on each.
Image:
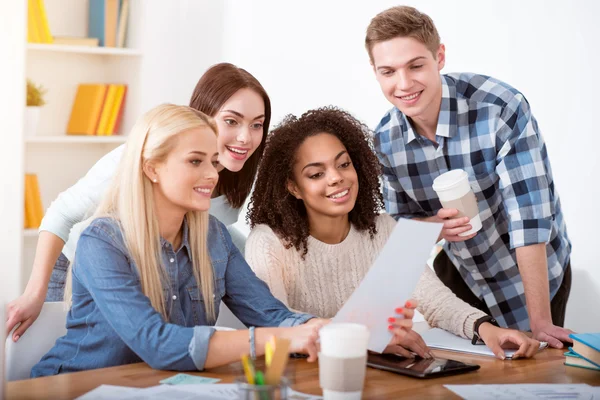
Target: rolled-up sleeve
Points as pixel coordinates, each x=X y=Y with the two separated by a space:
x=523 y=170
x=198 y=349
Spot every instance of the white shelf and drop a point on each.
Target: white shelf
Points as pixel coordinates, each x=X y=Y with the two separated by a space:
x=64 y=48
x=30 y=232
x=76 y=139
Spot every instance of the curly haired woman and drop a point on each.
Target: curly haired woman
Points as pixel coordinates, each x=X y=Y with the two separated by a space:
x=317 y=228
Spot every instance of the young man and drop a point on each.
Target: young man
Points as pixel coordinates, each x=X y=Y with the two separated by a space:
x=516 y=268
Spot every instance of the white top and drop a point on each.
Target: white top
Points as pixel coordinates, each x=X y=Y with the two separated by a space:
x=325 y=279
x=70 y=213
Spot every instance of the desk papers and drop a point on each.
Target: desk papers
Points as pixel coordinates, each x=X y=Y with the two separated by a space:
x=526 y=391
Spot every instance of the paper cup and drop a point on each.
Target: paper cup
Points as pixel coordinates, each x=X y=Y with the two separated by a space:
x=454 y=191
x=343 y=360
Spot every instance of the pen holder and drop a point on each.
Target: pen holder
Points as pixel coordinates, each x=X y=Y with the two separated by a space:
x=262 y=392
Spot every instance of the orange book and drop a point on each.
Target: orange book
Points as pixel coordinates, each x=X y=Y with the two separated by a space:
x=32 y=212
x=39 y=207
x=33 y=34
x=87 y=108
x=117 y=112
x=111 y=96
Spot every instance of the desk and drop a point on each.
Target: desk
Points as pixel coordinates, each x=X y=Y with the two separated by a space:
x=546 y=367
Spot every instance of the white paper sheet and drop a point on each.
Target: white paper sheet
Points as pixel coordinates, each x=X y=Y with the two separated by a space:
x=109 y=392
x=391 y=280
x=437 y=338
x=526 y=391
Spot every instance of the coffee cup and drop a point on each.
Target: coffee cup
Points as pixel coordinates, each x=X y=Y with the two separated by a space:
x=454 y=191
x=343 y=360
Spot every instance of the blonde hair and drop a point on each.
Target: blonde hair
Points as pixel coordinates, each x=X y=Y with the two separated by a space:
x=130 y=201
x=402 y=21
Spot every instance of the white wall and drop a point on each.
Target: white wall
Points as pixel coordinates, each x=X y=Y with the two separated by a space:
x=12 y=99
x=308 y=54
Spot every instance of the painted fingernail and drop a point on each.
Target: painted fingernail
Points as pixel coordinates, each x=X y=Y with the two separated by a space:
x=391 y=320
x=390 y=327
x=399 y=310
x=408 y=304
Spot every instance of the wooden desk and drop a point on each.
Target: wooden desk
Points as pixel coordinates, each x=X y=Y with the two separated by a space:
x=546 y=367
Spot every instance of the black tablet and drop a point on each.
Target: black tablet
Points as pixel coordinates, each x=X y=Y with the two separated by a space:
x=419 y=367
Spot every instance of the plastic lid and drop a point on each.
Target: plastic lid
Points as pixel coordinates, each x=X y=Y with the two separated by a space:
x=449 y=179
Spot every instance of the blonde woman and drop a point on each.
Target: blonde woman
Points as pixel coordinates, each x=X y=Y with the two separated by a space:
x=151 y=269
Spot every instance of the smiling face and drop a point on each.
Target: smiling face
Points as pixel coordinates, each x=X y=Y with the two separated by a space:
x=409 y=76
x=240 y=122
x=184 y=181
x=324 y=177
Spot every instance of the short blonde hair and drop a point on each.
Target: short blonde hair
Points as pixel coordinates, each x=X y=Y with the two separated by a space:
x=402 y=21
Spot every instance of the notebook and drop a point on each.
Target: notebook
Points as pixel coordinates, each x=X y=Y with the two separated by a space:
x=587 y=346
x=573 y=360
x=440 y=339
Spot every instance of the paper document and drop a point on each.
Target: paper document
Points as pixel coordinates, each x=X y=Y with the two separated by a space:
x=526 y=391
x=109 y=392
x=437 y=338
x=391 y=280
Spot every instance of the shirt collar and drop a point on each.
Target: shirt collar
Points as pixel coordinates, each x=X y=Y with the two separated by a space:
x=184 y=240
x=446 y=125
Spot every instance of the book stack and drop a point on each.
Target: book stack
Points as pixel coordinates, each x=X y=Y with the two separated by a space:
x=34 y=210
x=107 y=21
x=97 y=109
x=585 y=352
x=38 y=30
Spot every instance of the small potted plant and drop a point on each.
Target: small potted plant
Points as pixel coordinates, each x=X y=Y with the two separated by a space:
x=35 y=101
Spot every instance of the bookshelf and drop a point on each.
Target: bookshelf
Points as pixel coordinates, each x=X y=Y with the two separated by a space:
x=57 y=48
x=60 y=160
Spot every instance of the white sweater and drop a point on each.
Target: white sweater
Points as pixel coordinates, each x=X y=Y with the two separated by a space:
x=325 y=279
x=70 y=213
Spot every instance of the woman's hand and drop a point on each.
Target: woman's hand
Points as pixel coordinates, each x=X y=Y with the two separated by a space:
x=303 y=338
x=498 y=339
x=24 y=310
x=405 y=341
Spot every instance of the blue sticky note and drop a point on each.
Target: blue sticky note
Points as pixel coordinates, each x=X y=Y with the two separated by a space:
x=185 y=379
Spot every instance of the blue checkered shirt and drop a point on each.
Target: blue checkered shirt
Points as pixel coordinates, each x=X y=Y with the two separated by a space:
x=486 y=128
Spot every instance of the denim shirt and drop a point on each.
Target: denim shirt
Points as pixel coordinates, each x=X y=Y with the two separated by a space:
x=111 y=322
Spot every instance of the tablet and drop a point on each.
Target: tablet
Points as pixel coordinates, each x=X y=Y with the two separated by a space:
x=419 y=367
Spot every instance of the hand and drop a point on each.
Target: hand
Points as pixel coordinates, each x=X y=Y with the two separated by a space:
x=551 y=333
x=405 y=338
x=498 y=339
x=24 y=311
x=454 y=226
x=303 y=338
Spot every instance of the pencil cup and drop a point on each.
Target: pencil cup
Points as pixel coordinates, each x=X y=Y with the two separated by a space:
x=262 y=392
x=343 y=360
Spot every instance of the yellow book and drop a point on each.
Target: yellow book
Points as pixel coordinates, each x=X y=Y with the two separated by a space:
x=33 y=35
x=116 y=110
x=86 y=109
x=30 y=208
x=45 y=34
x=39 y=207
x=107 y=110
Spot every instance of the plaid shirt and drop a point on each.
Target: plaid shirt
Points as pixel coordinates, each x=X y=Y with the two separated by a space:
x=486 y=128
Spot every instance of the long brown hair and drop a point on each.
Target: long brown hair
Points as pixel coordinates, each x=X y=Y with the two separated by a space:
x=215 y=87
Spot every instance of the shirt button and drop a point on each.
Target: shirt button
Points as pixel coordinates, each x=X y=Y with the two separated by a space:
x=474 y=271
x=174 y=297
x=172 y=260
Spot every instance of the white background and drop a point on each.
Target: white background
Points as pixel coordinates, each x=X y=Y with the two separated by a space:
x=309 y=54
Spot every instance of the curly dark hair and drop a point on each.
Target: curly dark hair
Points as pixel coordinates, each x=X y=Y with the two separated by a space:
x=273 y=205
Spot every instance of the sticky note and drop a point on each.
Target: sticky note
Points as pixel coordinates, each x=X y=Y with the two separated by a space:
x=185 y=379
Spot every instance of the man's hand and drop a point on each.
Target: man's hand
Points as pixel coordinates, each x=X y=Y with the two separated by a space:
x=554 y=335
x=454 y=226
x=498 y=339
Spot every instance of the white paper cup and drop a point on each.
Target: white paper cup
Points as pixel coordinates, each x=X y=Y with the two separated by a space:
x=454 y=191
x=343 y=360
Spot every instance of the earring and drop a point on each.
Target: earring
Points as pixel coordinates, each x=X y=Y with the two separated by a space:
x=155 y=180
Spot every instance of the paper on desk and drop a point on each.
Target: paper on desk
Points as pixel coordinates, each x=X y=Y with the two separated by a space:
x=437 y=338
x=109 y=392
x=391 y=280
x=526 y=391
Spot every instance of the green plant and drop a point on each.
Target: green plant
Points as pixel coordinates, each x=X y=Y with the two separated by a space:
x=35 y=94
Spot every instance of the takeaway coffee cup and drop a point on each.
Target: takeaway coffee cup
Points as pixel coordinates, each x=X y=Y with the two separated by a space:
x=343 y=360
x=454 y=191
